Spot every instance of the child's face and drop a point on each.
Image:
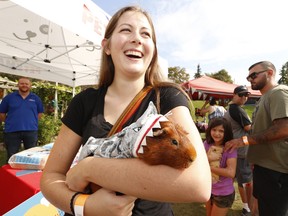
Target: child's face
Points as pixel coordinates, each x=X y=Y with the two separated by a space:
x=217 y=133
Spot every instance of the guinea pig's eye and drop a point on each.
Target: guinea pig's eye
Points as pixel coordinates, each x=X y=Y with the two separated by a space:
x=174 y=142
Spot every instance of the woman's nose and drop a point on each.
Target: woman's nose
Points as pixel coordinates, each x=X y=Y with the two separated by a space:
x=136 y=38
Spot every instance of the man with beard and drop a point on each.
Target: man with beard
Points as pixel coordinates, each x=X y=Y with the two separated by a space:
x=268 y=142
x=20 y=110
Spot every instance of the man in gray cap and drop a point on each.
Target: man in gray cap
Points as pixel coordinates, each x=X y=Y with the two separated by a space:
x=241 y=124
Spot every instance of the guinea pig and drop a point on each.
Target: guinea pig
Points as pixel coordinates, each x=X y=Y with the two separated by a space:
x=152 y=138
x=215 y=152
x=166 y=145
x=157 y=141
x=169 y=146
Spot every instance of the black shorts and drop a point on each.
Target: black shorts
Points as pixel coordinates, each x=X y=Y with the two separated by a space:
x=271 y=189
x=223 y=201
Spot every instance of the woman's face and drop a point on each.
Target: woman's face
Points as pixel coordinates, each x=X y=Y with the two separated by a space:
x=217 y=133
x=131 y=46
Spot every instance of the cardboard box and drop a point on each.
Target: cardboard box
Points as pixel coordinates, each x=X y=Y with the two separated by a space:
x=34 y=158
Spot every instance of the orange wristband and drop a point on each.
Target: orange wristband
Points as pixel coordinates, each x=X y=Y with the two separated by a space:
x=79 y=204
x=245 y=140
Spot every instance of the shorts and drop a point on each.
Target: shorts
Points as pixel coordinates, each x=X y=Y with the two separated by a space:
x=271 y=189
x=244 y=172
x=223 y=201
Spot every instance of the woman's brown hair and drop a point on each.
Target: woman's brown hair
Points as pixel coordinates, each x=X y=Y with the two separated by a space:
x=153 y=76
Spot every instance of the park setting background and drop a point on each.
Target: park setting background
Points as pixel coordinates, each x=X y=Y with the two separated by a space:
x=225 y=36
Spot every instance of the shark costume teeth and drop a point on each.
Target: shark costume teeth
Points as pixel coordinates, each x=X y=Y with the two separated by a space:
x=147 y=130
x=129 y=141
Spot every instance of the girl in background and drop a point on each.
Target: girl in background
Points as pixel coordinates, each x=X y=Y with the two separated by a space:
x=219 y=131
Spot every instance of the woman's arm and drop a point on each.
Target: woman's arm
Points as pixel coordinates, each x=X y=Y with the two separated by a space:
x=159 y=183
x=55 y=189
x=60 y=159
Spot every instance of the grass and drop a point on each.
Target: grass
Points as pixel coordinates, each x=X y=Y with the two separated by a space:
x=185 y=209
x=198 y=209
x=248 y=108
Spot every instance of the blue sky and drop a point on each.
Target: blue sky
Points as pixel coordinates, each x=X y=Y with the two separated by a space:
x=217 y=34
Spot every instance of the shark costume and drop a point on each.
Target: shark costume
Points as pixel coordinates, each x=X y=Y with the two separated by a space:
x=128 y=142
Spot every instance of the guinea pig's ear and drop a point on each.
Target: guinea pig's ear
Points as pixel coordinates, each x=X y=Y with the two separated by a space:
x=159 y=132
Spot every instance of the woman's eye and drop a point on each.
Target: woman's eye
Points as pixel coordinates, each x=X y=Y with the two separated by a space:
x=146 y=34
x=125 y=30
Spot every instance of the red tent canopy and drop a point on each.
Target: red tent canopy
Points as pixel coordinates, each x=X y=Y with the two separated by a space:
x=204 y=87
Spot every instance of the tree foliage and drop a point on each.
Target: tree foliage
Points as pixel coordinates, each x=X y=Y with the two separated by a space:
x=221 y=75
x=46 y=91
x=284 y=74
x=178 y=75
x=198 y=74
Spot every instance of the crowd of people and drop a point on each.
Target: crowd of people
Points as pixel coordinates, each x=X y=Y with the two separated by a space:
x=252 y=152
x=261 y=169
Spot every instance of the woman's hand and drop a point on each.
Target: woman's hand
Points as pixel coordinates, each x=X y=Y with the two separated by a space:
x=76 y=178
x=106 y=203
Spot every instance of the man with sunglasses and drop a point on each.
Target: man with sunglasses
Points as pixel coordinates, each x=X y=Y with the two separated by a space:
x=241 y=124
x=268 y=142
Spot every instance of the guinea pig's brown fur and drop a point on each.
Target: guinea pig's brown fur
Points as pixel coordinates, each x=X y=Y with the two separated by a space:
x=168 y=146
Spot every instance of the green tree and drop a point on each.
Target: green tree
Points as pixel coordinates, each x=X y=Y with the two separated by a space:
x=46 y=91
x=198 y=73
x=221 y=75
x=178 y=75
x=284 y=74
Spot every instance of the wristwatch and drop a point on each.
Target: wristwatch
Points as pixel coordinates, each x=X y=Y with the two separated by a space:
x=245 y=140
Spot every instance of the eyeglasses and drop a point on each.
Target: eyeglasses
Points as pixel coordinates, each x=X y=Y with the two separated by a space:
x=243 y=94
x=253 y=75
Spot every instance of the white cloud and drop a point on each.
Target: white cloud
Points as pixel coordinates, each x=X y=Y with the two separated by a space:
x=218 y=33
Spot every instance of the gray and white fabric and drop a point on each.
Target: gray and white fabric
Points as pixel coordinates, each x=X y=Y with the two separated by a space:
x=128 y=142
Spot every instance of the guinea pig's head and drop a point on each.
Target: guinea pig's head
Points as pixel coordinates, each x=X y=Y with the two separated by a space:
x=170 y=146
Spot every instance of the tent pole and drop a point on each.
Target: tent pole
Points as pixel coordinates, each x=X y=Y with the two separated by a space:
x=73 y=91
x=56 y=102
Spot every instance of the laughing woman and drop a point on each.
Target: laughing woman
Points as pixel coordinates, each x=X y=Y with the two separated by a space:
x=129 y=64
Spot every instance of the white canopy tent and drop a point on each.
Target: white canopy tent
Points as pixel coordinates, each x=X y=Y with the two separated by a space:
x=58 y=41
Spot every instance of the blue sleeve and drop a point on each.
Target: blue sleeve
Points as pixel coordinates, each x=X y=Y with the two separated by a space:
x=40 y=108
x=4 y=105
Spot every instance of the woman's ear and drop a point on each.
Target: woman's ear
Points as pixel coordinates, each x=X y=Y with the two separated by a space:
x=104 y=44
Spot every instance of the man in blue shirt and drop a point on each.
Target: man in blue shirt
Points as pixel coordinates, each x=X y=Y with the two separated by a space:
x=20 y=110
